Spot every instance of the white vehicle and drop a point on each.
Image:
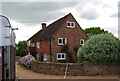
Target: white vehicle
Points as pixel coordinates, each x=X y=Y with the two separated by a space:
x=7 y=50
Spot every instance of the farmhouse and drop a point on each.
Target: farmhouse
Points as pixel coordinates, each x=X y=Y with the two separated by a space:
x=58 y=41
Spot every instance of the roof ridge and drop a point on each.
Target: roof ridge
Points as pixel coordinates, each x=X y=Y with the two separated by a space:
x=60 y=18
x=50 y=30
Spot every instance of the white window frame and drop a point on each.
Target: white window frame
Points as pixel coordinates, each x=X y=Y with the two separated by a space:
x=71 y=24
x=45 y=57
x=28 y=43
x=33 y=45
x=83 y=41
x=38 y=44
x=62 y=41
x=61 y=56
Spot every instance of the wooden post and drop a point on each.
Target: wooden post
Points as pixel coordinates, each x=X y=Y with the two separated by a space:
x=66 y=71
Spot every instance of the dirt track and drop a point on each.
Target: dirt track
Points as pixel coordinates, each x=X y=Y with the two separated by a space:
x=23 y=73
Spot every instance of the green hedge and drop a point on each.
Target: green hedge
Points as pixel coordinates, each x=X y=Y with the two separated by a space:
x=40 y=57
x=103 y=48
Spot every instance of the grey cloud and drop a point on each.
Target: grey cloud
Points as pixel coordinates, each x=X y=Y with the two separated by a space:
x=113 y=31
x=34 y=12
x=94 y=1
x=106 y=6
x=115 y=15
x=89 y=14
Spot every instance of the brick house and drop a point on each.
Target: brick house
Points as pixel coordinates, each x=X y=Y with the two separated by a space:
x=65 y=34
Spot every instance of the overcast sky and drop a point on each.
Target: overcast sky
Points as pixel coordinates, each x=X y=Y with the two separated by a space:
x=28 y=16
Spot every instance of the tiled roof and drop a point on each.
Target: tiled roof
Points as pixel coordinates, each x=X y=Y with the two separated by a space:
x=35 y=35
x=50 y=30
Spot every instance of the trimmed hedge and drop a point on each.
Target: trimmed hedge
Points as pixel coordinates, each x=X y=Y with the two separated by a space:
x=103 y=48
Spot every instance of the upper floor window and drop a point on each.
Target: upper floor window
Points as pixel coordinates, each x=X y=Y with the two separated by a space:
x=70 y=24
x=82 y=42
x=38 y=44
x=62 y=41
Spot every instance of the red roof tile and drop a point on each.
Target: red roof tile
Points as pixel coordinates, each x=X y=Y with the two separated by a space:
x=49 y=31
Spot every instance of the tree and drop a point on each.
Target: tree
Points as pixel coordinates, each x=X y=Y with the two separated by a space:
x=94 y=31
x=21 y=48
x=103 y=48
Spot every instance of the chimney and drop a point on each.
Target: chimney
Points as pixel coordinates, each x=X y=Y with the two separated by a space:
x=43 y=25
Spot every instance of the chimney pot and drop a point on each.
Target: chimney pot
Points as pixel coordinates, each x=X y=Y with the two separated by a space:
x=43 y=25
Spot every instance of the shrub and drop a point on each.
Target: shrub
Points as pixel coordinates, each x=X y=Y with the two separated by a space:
x=50 y=59
x=40 y=56
x=27 y=61
x=103 y=48
x=65 y=49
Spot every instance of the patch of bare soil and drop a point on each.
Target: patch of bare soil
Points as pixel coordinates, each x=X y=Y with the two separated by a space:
x=24 y=73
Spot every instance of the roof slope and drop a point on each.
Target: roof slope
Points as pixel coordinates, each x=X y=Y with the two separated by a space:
x=50 y=30
x=35 y=35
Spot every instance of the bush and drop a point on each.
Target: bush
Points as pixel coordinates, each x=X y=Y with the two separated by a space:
x=40 y=56
x=103 y=48
x=65 y=49
x=27 y=61
x=50 y=59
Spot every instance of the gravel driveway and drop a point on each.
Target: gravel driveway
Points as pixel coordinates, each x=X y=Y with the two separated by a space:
x=23 y=73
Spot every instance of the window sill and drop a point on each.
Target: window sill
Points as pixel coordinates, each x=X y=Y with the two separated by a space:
x=70 y=27
x=61 y=59
x=81 y=44
x=61 y=44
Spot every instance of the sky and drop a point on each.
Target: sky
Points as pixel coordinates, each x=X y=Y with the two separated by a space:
x=28 y=15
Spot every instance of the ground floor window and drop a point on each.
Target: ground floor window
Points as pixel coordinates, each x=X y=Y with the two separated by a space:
x=45 y=57
x=38 y=44
x=61 y=56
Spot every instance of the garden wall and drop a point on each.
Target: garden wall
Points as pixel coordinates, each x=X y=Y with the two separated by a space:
x=74 y=69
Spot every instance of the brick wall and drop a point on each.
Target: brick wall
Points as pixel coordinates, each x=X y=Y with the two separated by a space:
x=44 y=47
x=74 y=69
x=73 y=36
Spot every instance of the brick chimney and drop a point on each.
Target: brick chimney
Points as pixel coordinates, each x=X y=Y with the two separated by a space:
x=43 y=25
